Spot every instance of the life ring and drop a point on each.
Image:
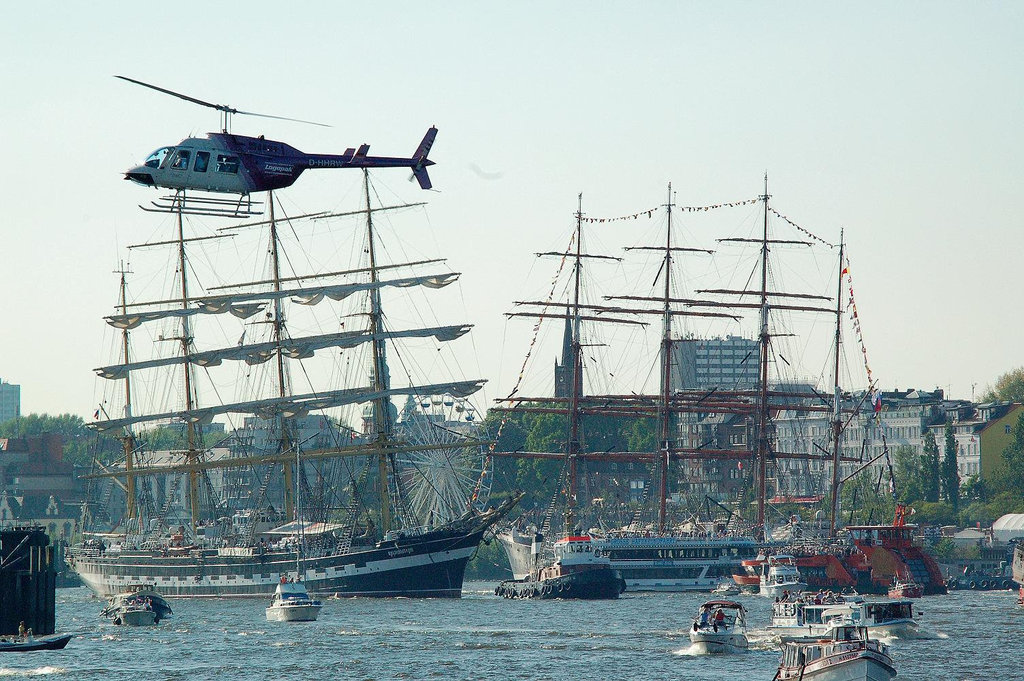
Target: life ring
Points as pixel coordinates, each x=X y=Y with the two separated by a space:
x=974 y=584
x=984 y=584
x=1007 y=584
x=953 y=583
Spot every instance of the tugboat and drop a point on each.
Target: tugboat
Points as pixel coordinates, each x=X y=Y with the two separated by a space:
x=720 y=627
x=846 y=654
x=579 y=571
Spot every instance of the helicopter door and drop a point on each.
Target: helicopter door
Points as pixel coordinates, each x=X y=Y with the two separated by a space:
x=202 y=161
x=178 y=170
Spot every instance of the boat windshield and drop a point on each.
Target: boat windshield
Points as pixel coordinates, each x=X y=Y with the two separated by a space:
x=156 y=159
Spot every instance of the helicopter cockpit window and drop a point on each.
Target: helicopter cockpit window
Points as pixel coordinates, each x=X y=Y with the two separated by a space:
x=181 y=160
x=227 y=164
x=156 y=159
x=202 y=161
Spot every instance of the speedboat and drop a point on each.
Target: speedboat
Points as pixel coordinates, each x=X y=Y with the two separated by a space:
x=139 y=606
x=845 y=653
x=805 y=617
x=726 y=589
x=23 y=644
x=292 y=604
x=135 y=615
x=778 y=574
x=719 y=627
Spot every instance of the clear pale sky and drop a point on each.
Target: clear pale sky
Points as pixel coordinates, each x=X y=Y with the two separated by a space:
x=900 y=122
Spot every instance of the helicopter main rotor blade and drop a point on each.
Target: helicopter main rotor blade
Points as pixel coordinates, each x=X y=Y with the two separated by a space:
x=279 y=118
x=219 y=107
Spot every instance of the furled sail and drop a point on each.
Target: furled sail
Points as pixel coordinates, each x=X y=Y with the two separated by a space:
x=244 y=305
x=293 y=348
x=294 y=405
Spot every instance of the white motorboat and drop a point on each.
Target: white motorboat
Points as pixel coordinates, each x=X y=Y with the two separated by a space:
x=846 y=653
x=720 y=627
x=292 y=604
x=779 y=574
x=882 y=618
x=726 y=589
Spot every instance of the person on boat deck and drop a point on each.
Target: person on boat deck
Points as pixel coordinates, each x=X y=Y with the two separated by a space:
x=21 y=629
x=719 y=618
x=704 y=613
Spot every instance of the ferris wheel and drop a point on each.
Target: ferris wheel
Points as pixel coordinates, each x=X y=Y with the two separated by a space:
x=442 y=483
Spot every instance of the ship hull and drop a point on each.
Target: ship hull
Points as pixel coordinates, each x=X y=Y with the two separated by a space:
x=294 y=613
x=707 y=642
x=430 y=565
x=674 y=564
x=861 y=668
x=592 y=584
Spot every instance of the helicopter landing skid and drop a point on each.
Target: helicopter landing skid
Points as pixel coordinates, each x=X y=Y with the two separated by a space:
x=209 y=206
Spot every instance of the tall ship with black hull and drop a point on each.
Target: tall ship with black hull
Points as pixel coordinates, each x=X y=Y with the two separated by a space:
x=395 y=508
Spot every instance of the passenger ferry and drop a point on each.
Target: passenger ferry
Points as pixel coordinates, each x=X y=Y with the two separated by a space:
x=885 y=618
x=676 y=563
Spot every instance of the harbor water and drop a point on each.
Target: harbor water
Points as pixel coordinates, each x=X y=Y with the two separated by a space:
x=964 y=636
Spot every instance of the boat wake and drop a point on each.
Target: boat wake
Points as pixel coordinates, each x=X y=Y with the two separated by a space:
x=38 y=671
x=693 y=650
x=919 y=635
x=762 y=641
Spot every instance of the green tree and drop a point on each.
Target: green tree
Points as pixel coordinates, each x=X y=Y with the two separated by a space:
x=80 y=444
x=1008 y=387
x=974 y=488
x=930 y=472
x=865 y=498
x=1013 y=457
x=909 y=474
x=950 y=471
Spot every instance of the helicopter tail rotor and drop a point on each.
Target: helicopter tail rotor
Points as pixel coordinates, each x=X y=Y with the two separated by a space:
x=419 y=169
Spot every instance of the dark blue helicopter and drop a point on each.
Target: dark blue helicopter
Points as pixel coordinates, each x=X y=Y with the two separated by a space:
x=236 y=164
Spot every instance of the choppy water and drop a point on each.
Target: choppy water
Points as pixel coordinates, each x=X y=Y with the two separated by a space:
x=965 y=636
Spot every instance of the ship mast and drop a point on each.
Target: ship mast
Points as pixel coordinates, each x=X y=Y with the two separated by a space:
x=282 y=375
x=837 y=424
x=192 y=454
x=128 y=441
x=666 y=376
x=380 y=377
x=573 y=443
x=762 y=444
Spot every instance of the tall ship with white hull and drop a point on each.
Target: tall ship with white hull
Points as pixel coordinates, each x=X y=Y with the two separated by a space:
x=391 y=509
